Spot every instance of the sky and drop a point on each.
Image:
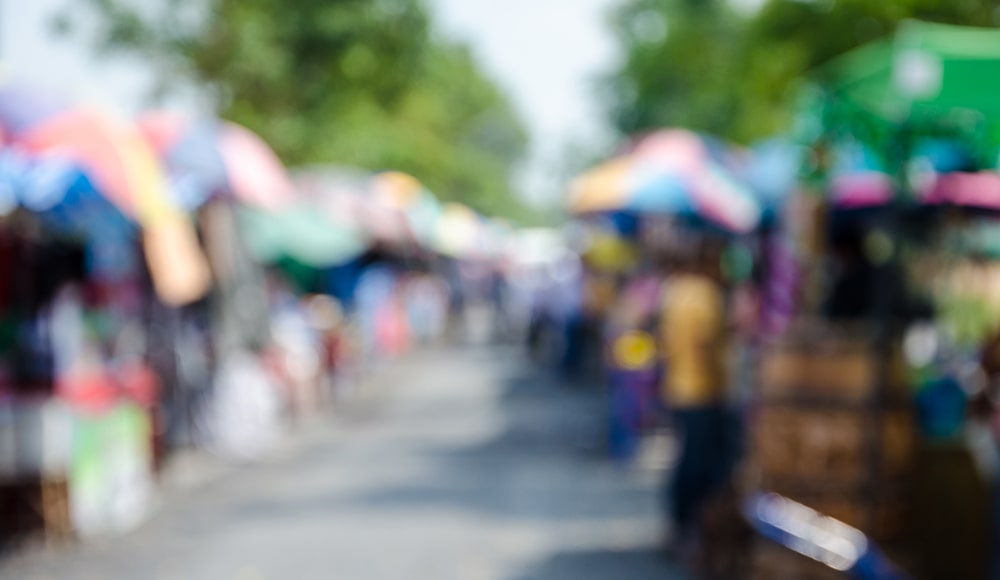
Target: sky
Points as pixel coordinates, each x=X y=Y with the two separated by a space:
x=545 y=53
x=31 y=52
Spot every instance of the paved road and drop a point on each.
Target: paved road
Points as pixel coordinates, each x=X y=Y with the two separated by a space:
x=462 y=464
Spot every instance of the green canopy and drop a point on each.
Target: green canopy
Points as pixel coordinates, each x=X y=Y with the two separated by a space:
x=301 y=232
x=933 y=79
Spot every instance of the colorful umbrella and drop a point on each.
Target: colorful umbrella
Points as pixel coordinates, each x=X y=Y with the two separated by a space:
x=927 y=79
x=939 y=173
x=301 y=232
x=398 y=189
x=772 y=171
x=115 y=156
x=347 y=195
x=704 y=170
x=672 y=172
x=61 y=195
x=124 y=169
x=979 y=189
x=210 y=157
x=405 y=193
x=603 y=188
x=858 y=178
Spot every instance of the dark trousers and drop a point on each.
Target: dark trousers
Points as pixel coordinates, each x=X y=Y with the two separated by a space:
x=632 y=394
x=706 y=455
x=575 y=335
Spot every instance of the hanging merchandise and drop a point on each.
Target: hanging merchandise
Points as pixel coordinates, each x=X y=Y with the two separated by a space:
x=403 y=192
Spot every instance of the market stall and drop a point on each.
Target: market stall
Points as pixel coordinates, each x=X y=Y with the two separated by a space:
x=672 y=191
x=840 y=421
x=73 y=360
x=217 y=170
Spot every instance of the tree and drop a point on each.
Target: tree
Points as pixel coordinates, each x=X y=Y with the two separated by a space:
x=352 y=82
x=711 y=68
x=679 y=57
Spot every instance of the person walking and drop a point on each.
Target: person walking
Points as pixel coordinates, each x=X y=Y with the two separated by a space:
x=631 y=364
x=693 y=338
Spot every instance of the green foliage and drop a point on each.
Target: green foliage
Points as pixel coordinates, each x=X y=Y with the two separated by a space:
x=679 y=61
x=352 y=82
x=735 y=75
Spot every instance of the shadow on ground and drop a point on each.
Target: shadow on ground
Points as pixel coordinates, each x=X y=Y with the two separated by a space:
x=541 y=469
x=552 y=432
x=601 y=565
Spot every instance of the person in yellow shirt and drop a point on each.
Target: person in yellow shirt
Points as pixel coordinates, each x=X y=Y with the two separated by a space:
x=693 y=336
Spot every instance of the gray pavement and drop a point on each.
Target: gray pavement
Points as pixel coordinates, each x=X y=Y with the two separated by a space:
x=457 y=464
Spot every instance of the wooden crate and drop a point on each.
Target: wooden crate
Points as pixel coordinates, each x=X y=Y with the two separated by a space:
x=770 y=561
x=33 y=506
x=838 y=371
x=827 y=445
x=811 y=433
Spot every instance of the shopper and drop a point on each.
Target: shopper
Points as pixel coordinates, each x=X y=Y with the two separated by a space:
x=693 y=338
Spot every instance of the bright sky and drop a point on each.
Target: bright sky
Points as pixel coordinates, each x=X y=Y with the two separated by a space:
x=546 y=53
x=32 y=53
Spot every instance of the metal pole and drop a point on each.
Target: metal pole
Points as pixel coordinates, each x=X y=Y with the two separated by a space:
x=888 y=281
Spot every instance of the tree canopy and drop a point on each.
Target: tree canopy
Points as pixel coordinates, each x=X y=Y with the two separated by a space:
x=704 y=64
x=368 y=83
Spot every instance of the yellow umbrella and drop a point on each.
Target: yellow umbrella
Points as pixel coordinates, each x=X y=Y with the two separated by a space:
x=600 y=189
x=405 y=193
x=176 y=262
x=398 y=189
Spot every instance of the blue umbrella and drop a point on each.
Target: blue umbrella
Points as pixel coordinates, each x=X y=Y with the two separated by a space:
x=67 y=203
x=196 y=166
x=683 y=173
x=61 y=194
x=666 y=193
x=773 y=170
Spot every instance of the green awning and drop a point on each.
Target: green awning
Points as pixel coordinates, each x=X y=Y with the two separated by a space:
x=303 y=233
x=933 y=79
x=925 y=73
